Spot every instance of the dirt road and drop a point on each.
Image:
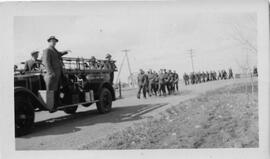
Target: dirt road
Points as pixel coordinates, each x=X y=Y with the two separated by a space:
x=60 y=131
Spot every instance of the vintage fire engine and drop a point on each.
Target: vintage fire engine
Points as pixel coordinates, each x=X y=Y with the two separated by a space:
x=81 y=85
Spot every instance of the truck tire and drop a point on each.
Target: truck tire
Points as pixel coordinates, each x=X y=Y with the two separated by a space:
x=105 y=101
x=71 y=110
x=24 y=116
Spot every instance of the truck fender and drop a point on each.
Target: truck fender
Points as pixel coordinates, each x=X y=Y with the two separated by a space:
x=35 y=100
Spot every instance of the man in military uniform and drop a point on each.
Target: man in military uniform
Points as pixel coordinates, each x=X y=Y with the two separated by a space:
x=170 y=82
x=142 y=84
x=255 y=71
x=109 y=64
x=203 y=76
x=230 y=73
x=155 y=82
x=165 y=78
x=175 y=80
x=161 y=83
x=215 y=75
x=224 y=74
x=207 y=76
x=33 y=64
x=93 y=64
x=185 y=78
x=219 y=75
x=51 y=59
x=151 y=83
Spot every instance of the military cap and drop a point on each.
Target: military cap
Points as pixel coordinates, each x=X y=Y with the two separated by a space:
x=52 y=38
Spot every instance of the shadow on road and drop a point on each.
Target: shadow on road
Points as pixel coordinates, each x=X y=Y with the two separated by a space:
x=72 y=123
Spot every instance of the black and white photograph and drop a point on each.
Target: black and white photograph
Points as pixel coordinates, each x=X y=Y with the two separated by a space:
x=137 y=76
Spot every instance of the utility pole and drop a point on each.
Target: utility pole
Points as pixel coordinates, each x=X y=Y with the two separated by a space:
x=121 y=66
x=191 y=54
x=126 y=55
x=120 y=69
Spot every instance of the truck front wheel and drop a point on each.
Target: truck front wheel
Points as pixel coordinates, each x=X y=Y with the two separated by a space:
x=104 y=104
x=24 y=116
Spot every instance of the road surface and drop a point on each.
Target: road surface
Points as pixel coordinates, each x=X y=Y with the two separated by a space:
x=56 y=131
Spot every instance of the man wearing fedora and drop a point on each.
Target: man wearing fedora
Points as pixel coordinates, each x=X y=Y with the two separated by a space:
x=52 y=61
x=33 y=63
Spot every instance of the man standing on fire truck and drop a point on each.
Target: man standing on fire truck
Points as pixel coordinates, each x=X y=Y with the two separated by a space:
x=52 y=61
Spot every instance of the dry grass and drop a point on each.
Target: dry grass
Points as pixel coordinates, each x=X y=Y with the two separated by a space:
x=224 y=118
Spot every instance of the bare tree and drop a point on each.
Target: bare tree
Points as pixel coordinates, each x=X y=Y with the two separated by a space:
x=243 y=40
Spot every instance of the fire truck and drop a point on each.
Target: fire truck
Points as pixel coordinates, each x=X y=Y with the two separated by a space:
x=81 y=85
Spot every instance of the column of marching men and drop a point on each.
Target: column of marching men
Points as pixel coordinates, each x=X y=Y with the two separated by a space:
x=200 y=77
x=153 y=83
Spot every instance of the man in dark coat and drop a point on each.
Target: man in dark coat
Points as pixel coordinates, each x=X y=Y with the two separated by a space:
x=33 y=64
x=52 y=61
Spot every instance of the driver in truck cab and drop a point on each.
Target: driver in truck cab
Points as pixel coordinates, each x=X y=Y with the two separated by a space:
x=52 y=61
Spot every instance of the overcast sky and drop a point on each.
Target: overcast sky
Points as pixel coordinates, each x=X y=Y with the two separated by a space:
x=156 y=39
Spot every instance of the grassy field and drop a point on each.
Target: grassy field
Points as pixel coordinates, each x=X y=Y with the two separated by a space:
x=224 y=118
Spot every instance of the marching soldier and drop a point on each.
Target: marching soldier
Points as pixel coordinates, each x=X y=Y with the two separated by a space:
x=142 y=84
x=255 y=71
x=166 y=80
x=230 y=73
x=215 y=75
x=204 y=76
x=208 y=76
x=186 y=78
x=155 y=82
x=192 y=78
x=170 y=82
x=176 y=80
x=219 y=75
x=32 y=64
x=197 y=78
x=224 y=74
x=161 y=83
x=151 y=85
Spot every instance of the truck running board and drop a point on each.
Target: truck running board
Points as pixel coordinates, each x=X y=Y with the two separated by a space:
x=73 y=105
